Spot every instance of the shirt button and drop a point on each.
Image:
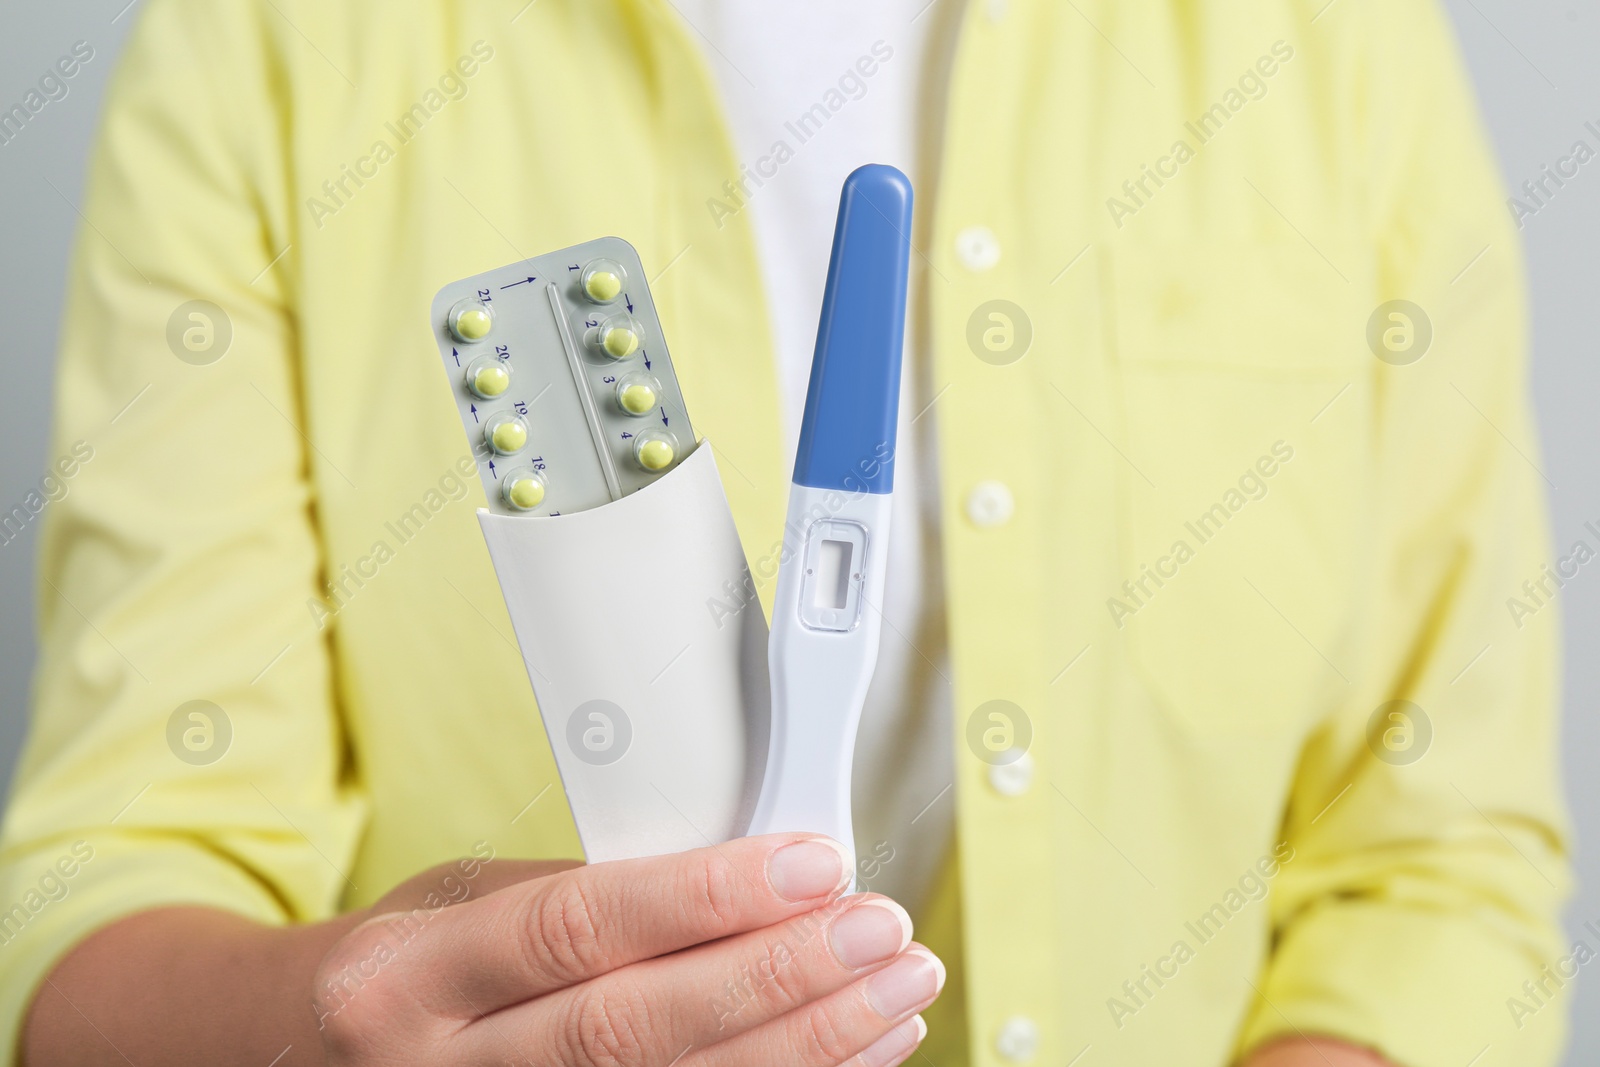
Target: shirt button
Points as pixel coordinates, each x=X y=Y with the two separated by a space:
x=990 y=504
x=1018 y=1040
x=1013 y=778
x=978 y=248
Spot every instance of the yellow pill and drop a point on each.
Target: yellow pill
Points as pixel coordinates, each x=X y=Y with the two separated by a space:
x=508 y=437
x=473 y=324
x=637 y=399
x=620 y=342
x=491 y=381
x=525 y=493
x=602 y=286
x=655 y=455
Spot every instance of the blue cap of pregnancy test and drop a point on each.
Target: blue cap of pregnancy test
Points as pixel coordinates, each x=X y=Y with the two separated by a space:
x=847 y=437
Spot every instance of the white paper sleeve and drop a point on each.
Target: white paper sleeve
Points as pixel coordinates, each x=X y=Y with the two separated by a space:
x=647 y=651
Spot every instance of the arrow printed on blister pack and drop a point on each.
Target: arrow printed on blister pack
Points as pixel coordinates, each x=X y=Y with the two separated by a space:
x=524 y=281
x=474 y=408
x=629 y=301
x=664 y=417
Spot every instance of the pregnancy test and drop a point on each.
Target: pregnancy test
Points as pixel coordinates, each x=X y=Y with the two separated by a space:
x=827 y=617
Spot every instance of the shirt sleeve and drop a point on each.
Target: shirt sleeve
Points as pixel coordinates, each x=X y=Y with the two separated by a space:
x=1430 y=849
x=179 y=551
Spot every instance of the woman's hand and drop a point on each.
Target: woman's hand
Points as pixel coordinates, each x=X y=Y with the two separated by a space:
x=743 y=953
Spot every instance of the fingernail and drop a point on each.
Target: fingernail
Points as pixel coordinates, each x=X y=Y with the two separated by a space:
x=908 y=984
x=808 y=869
x=897 y=1044
x=870 y=932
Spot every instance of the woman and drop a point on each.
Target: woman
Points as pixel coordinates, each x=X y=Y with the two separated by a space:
x=1216 y=355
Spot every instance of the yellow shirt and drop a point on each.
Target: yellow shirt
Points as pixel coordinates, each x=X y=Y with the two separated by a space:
x=1199 y=534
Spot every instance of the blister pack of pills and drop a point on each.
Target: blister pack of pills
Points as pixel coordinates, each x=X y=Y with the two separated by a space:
x=561 y=375
x=598 y=496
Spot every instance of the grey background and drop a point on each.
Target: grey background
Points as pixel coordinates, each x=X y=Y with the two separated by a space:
x=1537 y=81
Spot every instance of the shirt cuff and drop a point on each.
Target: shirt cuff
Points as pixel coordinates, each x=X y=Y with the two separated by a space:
x=48 y=910
x=1422 y=987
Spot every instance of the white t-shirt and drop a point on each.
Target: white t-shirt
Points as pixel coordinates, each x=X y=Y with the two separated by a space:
x=826 y=87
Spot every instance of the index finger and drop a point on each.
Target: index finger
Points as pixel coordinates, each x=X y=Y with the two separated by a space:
x=530 y=939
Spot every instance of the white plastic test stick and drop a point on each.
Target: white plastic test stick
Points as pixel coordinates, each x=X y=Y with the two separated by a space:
x=826 y=617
